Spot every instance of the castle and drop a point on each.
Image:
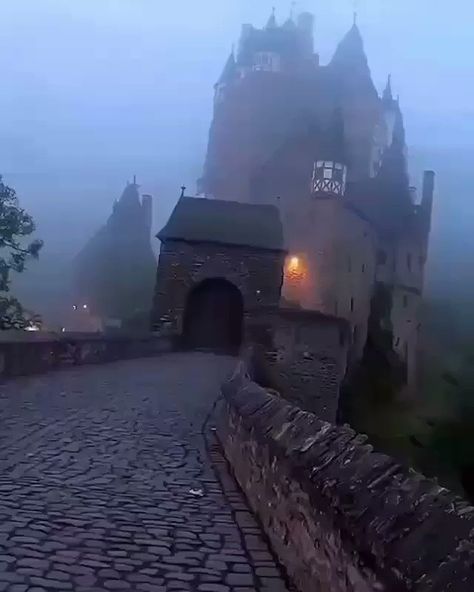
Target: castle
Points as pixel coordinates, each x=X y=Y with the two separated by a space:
x=114 y=272
x=319 y=143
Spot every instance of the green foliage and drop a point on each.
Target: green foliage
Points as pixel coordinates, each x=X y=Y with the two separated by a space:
x=15 y=226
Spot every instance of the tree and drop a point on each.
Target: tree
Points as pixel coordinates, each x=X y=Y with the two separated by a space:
x=15 y=251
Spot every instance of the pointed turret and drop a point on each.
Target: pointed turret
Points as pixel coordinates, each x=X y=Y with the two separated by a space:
x=350 y=52
x=229 y=70
x=130 y=194
x=272 y=23
x=228 y=75
x=387 y=96
x=393 y=174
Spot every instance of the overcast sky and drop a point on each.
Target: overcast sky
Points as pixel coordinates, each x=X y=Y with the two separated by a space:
x=93 y=91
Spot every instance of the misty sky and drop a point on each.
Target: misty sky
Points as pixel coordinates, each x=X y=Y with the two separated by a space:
x=94 y=91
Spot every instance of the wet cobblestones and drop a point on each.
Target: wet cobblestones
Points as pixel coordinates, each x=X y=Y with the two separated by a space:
x=96 y=468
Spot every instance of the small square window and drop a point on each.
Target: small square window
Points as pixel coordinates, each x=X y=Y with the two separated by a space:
x=328 y=173
x=338 y=166
x=328 y=164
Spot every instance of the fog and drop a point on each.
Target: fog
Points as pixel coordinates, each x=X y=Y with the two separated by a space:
x=95 y=91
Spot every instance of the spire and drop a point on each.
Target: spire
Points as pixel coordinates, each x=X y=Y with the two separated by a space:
x=387 y=96
x=350 y=52
x=130 y=193
x=271 y=23
x=229 y=70
x=393 y=172
x=290 y=23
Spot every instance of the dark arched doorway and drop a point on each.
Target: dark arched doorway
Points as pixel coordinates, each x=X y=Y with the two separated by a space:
x=213 y=316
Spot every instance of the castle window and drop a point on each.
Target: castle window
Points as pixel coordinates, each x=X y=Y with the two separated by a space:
x=381 y=257
x=352 y=304
x=266 y=61
x=329 y=177
x=405 y=301
x=409 y=261
x=363 y=267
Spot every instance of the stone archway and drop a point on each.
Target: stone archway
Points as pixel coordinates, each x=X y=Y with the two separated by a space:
x=213 y=316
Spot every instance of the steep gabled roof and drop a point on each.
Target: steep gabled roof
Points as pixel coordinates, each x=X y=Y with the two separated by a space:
x=225 y=222
x=350 y=53
x=229 y=71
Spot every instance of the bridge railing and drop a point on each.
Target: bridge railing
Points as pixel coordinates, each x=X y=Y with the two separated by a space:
x=340 y=516
x=23 y=353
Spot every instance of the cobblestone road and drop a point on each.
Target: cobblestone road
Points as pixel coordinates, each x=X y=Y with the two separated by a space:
x=96 y=468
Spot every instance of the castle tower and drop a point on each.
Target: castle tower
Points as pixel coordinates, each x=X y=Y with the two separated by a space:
x=263 y=89
x=114 y=272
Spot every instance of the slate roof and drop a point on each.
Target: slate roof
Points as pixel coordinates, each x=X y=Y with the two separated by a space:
x=226 y=222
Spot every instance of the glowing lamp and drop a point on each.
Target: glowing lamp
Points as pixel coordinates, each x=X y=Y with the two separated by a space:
x=294 y=263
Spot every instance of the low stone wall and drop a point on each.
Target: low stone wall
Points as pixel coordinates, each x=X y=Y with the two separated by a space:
x=23 y=353
x=341 y=517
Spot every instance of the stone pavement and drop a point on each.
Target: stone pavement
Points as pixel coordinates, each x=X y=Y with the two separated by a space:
x=97 y=465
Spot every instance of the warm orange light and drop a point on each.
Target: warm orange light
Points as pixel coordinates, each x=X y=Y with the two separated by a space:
x=294 y=263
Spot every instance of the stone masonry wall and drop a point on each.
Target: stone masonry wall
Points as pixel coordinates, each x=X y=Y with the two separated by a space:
x=33 y=353
x=340 y=517
x=257 y=273
x=301 y=354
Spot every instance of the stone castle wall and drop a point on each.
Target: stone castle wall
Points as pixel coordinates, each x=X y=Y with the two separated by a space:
x=339 y=516
x=336 y=250
x=257 y=273
x=22 y=353
x=301 y=354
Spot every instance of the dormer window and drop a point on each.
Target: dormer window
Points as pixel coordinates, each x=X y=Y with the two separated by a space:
x=329 y=178
x=267 y=61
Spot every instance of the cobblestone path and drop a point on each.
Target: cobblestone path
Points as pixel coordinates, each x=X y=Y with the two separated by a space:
x=96 y=468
